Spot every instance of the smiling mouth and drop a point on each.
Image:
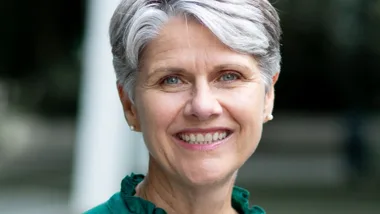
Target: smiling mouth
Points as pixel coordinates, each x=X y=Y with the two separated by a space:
x=203 y=138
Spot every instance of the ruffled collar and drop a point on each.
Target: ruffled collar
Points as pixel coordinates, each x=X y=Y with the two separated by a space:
x=240 y=199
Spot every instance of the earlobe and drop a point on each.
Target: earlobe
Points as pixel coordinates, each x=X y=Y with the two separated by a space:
x=275 y=78
x=129 y=110
x=269 y=101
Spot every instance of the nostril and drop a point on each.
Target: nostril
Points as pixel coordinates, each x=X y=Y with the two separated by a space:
x=202 y=106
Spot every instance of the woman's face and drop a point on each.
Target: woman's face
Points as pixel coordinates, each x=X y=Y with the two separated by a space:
x=199 y=105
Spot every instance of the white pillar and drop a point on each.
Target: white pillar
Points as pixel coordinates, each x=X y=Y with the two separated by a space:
x=105 y=149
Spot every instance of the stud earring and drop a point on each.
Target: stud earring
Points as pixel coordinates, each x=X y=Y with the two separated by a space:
x=270 y=117
x=132 y=128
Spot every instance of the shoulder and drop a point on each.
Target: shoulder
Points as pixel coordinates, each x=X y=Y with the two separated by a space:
x=114 y=205
x=102 y=208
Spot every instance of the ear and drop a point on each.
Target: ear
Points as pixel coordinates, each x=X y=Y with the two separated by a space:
x=129 y=109
x=269 y=98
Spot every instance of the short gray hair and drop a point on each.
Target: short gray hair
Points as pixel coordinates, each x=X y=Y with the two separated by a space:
x=246 y=26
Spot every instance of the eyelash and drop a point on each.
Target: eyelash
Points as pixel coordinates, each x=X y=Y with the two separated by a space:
x=237 y=75
x=162 y=81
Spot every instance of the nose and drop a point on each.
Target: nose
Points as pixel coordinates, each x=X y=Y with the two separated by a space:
x=203 y=104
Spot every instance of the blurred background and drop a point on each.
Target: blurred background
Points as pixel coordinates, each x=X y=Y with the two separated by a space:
x=62 y=132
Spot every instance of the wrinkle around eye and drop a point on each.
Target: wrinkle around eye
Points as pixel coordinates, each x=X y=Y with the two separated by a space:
x=234 y=74
x=237 y=86
x=165 y=79
x=170 y=88
x=240 y=80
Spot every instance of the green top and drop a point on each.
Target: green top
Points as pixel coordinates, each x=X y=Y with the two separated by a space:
x=124 y=202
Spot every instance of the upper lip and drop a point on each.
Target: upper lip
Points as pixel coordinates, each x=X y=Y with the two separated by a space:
x=203 y=130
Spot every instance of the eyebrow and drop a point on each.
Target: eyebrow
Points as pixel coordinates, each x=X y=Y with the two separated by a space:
x=168 y=70
x=182 y=70
x=229 y=66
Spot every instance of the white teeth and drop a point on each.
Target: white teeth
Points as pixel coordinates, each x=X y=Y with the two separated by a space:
x=215 y=137
x=200 y=138
x=222 y=135
x=192 y=138
x=207 y=138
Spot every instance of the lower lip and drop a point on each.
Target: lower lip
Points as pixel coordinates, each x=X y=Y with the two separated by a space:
x=202 y=147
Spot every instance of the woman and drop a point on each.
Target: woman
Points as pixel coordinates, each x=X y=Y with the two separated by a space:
x=196 y=78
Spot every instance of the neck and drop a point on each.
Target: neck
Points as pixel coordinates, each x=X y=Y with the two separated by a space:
x=175 y=197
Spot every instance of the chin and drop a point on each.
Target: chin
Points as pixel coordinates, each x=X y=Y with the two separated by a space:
x=208 y=171
x=202 y=177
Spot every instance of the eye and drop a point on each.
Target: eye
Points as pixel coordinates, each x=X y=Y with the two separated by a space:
x=227 y=77
x=172 y=80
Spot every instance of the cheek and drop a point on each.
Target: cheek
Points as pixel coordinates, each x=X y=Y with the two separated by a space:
x=248 y=108
x=245 y=105
x=158 y=110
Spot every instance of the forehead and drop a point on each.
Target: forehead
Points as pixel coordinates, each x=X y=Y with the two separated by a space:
x=187 y=33
x=181 y=41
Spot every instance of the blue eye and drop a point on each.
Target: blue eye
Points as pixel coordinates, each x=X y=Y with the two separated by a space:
x=172 y=80
x=229 y=77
